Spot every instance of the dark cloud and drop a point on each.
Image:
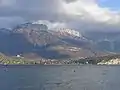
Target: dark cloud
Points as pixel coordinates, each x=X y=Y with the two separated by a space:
x=69 y=1
x=30 y=9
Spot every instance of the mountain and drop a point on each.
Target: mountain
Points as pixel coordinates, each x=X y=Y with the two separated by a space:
x=105 y=41
x=36 y=40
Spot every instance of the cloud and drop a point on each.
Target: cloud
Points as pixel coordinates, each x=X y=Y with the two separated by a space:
x=91 y=16
x=10 y=21
x=51 y=25
x=77 y=14
x=89 y=9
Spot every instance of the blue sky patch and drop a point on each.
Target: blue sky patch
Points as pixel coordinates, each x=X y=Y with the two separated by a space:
x=112 y=4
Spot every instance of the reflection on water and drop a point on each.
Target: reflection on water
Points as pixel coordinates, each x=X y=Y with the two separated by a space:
x=60 y=78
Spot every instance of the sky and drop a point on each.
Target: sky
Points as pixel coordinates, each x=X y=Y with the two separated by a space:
x=112 y=4
x=86 y=15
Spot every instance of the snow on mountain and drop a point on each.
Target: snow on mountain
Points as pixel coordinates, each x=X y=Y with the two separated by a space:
x=64 y=31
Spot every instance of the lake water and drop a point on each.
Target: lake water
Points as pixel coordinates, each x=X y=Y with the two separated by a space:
x=60 y=78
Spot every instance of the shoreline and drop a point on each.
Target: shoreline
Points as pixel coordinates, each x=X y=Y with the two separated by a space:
x=58 y=65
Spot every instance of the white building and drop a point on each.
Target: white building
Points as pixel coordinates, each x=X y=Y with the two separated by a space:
x=18 y=56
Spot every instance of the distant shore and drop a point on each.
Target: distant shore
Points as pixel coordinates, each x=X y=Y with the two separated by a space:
x=101 y=60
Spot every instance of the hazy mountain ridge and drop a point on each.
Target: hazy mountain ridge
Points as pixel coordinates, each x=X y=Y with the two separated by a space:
x=105 y=41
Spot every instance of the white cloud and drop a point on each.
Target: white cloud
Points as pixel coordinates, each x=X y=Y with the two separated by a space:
x=77 y=14
x=51 y=25
x=89 y=9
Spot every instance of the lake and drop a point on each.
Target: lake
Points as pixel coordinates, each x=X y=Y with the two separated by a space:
x=86 y=77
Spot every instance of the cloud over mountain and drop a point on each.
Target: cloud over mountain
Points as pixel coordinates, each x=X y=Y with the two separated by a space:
x=77 y=14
